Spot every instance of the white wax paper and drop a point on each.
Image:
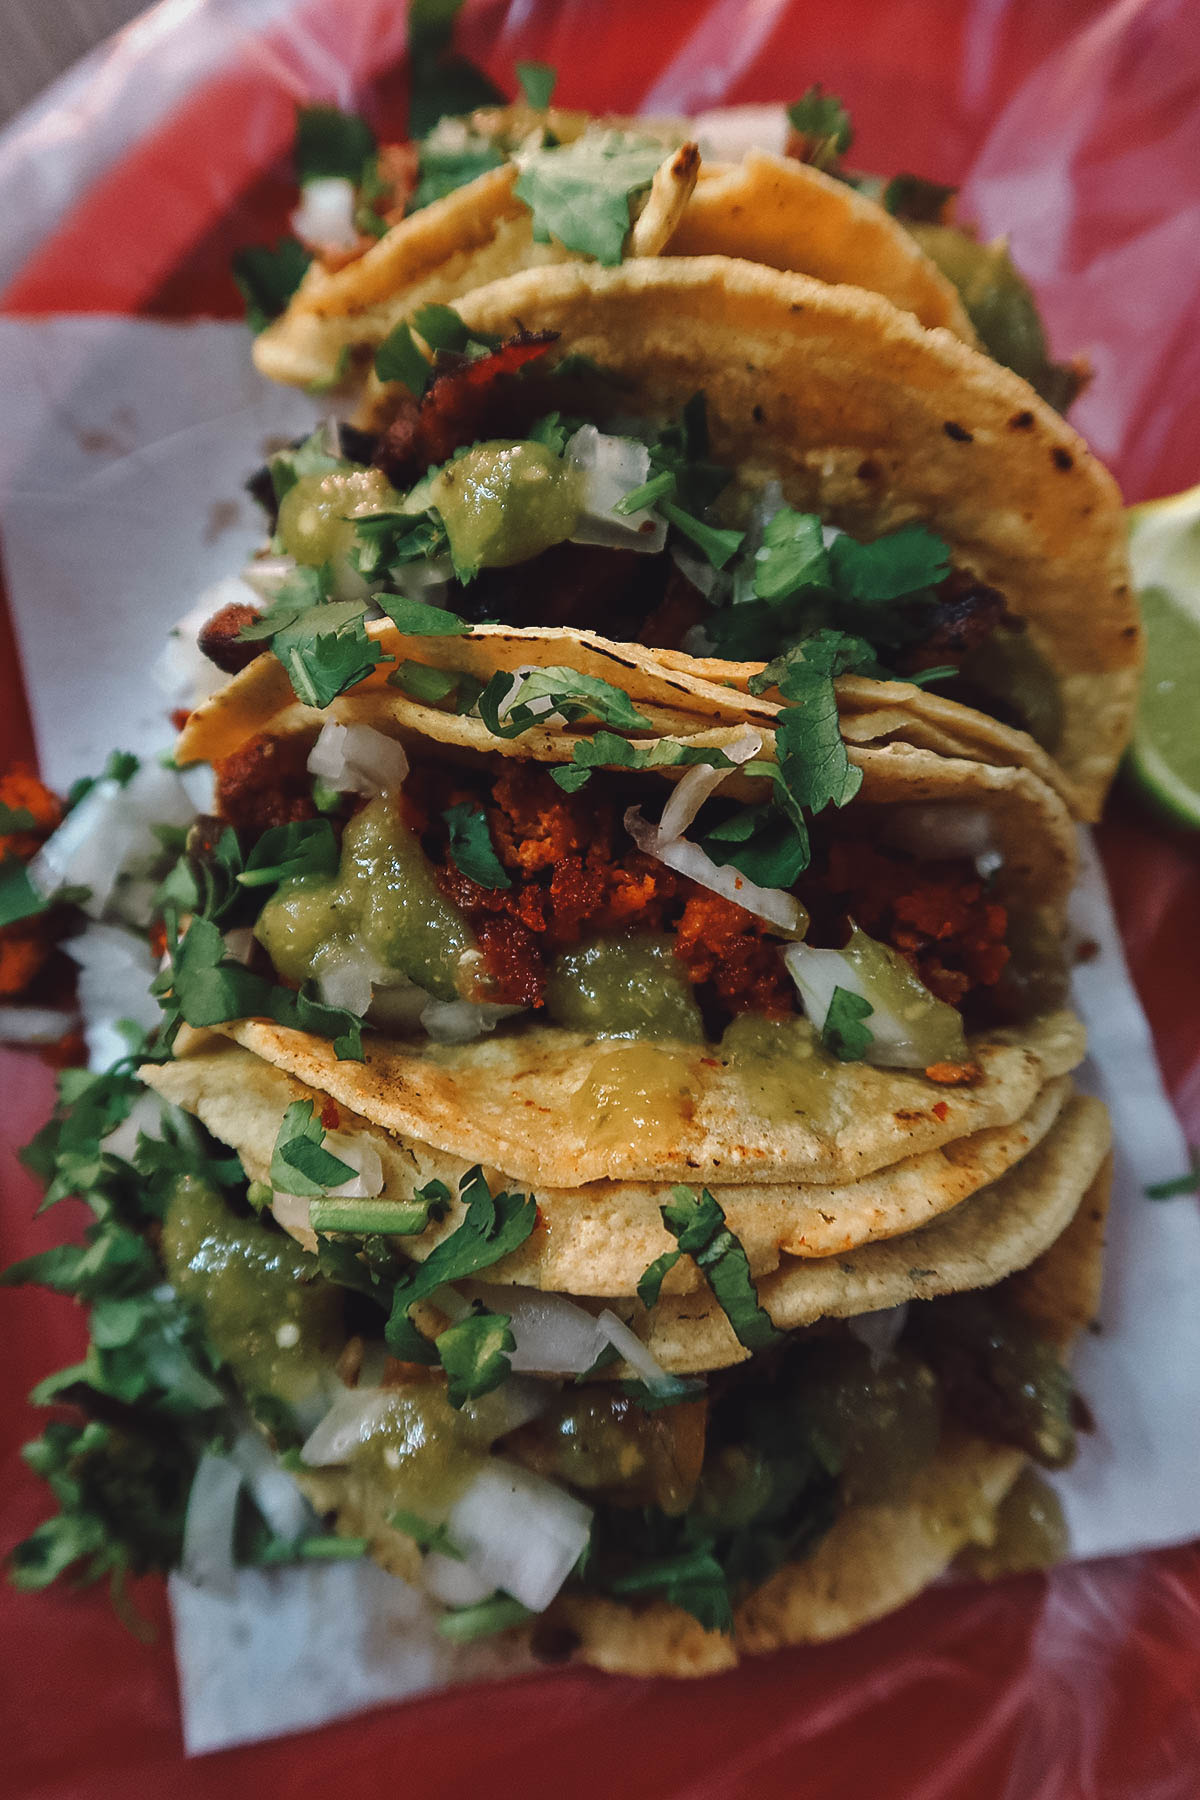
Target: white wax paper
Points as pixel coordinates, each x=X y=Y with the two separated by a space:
x=123 y=447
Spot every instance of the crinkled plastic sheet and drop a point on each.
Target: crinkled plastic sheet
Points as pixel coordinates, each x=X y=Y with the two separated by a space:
x=1074 y=128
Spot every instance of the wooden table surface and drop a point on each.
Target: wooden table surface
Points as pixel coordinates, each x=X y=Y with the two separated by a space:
x=41 y=38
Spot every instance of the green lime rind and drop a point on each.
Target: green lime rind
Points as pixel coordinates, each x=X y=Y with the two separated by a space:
x=1164 y=757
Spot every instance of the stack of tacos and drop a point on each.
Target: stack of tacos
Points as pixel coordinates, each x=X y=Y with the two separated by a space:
x=636 y=999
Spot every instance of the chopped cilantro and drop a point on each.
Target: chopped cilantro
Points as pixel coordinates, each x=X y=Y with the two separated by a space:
x=476 y=1354
x=1177 y=1185
x=494 y=1226
x=324 y=647
x=421 y=682
x=445 y=166
x=16 y=818
x=388 y=539
x=903 y=562
x=572 y=695
x=299 y=1162
x=812 y=754
x=580 y=193
x=792 y=555
x=267 y=279
x=844 y=1033
x=824 y=123
x=418 y=619
x=19 y=899
x=471 y=847
x=537 y=81
x=467 y=1623
x=694 y=1580
x=717 y=544
x=698 y=1227
x=672 y=1392
x=400 y=358
x=608 y=751
x=307 y=847
x=395 y=1218
x=331 y=142
x=425 y=1535
x=762 y=843
x=659 y=486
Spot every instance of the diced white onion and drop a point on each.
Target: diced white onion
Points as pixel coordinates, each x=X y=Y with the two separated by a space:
x=427 y=579
x=817 y=973
x=514 y=1403
x=115 y=971
x=209 y=1523
x=346 y=974
x=353 y=1419
x=879 y=1331
x=772 y=904
x=462 y=1021
x=324 y=219
x=553 y=1335
x=933 y=832
x=274 y=1492
x=362 y=1156
x=34 y=1024
x=609 y=468
x=357 y=759
x=108 y=836
x=453 y=1583
x=292 y=1212
x=519 y=1532
x=631 y=1347
x=698 y=570
x=689 y=794
x=145 y=1116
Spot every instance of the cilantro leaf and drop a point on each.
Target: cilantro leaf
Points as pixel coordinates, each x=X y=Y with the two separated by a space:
x=421 y=682
x=537 y=81
x=570 y=694
x=471 y=847
x=792 y=555
x=306 y=1011
x=694 y=1580
x=843 y=1032
x=494 y=1226
x=904 y=562
x=812 y=754
x=307 y=847
x=824 y=123
x=325 y=649
x=580 y=193
x=16 y=818
x=299 y=1162
x=400 y=358
x=267 y=279
x=466 y=1624
x=762 y=843
x=718 y=544
x=419 y=619
x=606 y=750
x=476 y=1354
x=331 y=142
x=425 y=1535
x=698 y=1227
x=19 y=899
x=443 y=167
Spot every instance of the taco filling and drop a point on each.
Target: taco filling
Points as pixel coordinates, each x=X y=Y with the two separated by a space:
x=495 y=498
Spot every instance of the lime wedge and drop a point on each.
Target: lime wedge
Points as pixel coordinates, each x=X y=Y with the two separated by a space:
x=1164 y=548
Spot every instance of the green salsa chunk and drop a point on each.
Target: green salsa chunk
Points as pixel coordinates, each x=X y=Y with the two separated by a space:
x=268 y=1314
x=317 y=514
x=624 y=987
x=504 y=502
x=384 y=898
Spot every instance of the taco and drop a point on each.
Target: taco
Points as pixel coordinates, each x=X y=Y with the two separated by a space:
x=723 y=463
x=663 y=1524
